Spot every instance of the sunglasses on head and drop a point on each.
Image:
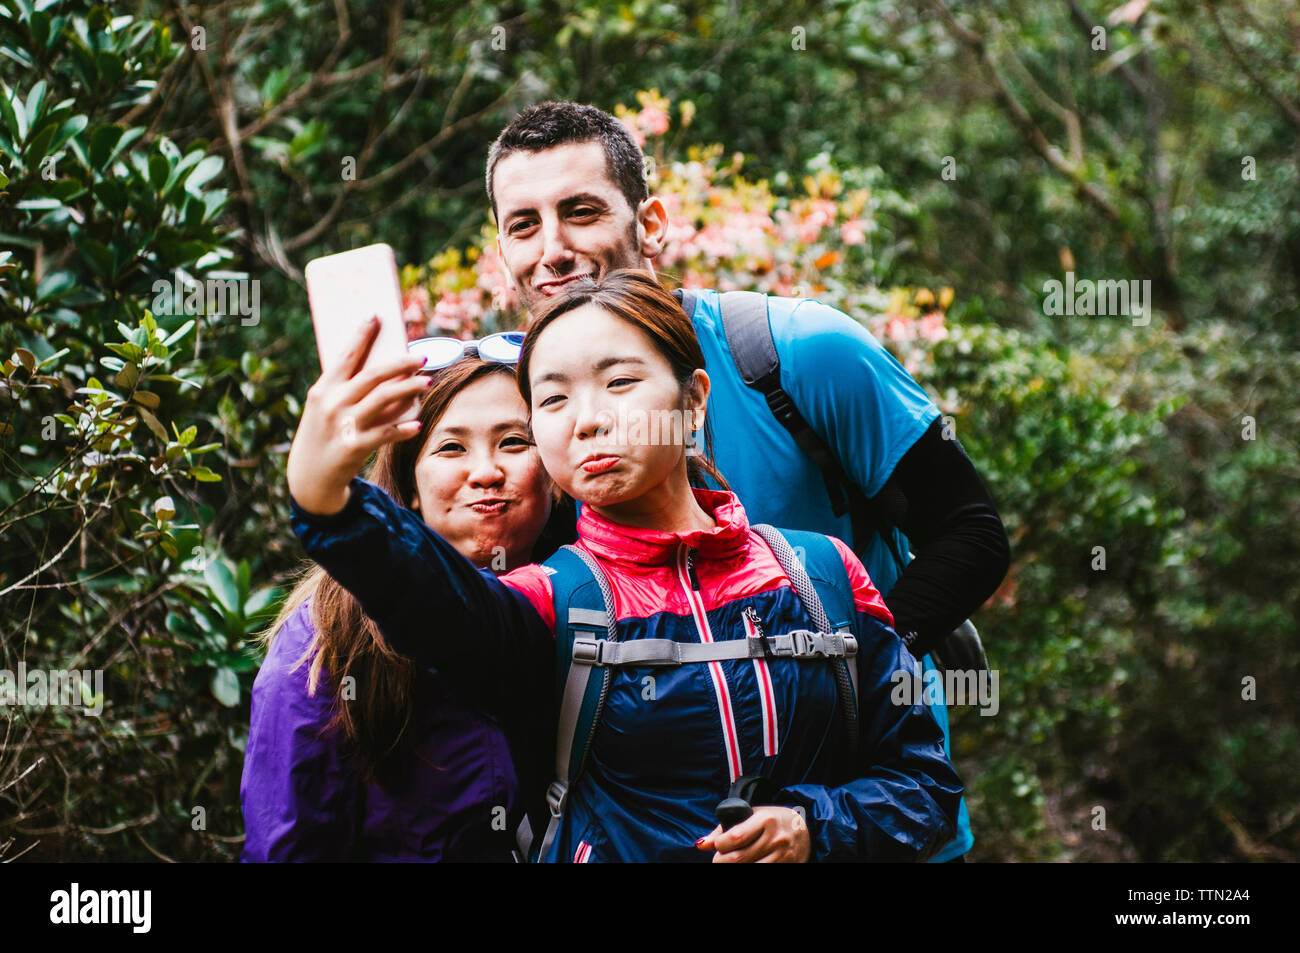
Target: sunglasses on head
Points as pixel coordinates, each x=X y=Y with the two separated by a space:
x=503 y=348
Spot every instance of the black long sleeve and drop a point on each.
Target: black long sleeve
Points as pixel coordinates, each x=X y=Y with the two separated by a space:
x=960 y=546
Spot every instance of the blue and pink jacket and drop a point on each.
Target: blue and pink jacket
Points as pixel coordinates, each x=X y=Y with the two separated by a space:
x=667 y=749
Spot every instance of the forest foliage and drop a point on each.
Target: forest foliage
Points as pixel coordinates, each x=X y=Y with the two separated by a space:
x=926 y=166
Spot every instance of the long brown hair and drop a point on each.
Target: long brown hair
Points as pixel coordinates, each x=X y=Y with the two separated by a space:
x=638 y=298
x=374 y=716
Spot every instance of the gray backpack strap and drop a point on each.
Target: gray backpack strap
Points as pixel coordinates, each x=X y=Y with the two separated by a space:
x=846 y=674
x=523 y=840
x=749 y=338
x=573 y=712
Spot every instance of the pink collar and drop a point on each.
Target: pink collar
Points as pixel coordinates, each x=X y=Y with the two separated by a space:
x=650 y=547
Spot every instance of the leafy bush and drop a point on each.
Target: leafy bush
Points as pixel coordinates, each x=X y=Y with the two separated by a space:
x=102 y=467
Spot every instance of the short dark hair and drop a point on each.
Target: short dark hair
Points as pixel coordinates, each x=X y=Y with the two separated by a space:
x=549 y=124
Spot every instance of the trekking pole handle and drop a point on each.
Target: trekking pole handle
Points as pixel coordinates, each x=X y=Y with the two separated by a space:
x=732 y=811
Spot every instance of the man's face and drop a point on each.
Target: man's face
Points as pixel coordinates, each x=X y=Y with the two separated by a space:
x=562 y=217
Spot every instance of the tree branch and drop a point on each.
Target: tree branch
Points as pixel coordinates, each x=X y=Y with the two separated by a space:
x=1289 y=111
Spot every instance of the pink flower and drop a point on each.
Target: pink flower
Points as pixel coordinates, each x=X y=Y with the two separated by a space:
x=415 y=306
x=851 y=232
x=416 y=330
x=931 y=327
x=456 y=314
x=415 y=301
x=653 y=120
x=898 y=328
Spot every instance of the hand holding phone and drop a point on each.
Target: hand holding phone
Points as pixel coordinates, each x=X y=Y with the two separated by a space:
x=358 y=405
x=348 y=289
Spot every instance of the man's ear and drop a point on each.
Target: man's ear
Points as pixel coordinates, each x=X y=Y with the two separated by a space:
x=651 y=227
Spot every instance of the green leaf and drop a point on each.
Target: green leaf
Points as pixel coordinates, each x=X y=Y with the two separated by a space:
x=32 y=110
x=179 y=333
x=181 y=627
x=55 y=285
x=111 y=67
x=128 y=137
x=203 y=172
x=159 y=169
x=40 y=27
x=112 y=194
x=69 y=129
x=97 y=256
x=7 y=114
x=204 y=475
x=152 y=422
x=261 y=602
x=243 y=575
x=213 y=203
x=38 y=146
x=225 y=687
x=102 y=141
x=180 y=169
x=222 y=583
x=127 y=376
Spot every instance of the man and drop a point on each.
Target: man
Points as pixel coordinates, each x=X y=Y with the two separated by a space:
x=567 y=187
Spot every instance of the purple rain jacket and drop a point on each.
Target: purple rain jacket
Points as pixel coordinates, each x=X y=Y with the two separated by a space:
x=303 y=800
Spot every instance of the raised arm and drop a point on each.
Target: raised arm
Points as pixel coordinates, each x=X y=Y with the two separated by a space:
x=428 y=600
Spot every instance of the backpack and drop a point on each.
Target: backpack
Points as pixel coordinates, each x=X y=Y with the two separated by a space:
x=748 y=332
x=587 y=649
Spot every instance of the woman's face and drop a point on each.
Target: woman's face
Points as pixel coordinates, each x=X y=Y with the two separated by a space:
x=479 y=479
x=608 y=413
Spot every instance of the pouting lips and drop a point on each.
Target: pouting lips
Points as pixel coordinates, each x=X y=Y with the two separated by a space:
x=489 y=507
x=599 y=464
x=551 y=287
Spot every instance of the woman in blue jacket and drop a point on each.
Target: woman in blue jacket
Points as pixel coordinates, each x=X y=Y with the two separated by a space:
x=604 y=368
x=354 y=752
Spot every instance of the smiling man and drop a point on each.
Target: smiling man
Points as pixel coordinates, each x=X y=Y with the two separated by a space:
x=567 y=186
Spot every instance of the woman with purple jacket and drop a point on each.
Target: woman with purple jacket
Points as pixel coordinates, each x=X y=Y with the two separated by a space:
x=353 y=753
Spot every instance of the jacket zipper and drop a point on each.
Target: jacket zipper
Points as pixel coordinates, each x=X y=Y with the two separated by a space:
x=766 y=694
x=691 y=585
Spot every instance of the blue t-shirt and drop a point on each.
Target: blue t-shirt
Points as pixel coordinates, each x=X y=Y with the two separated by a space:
x=856 y=396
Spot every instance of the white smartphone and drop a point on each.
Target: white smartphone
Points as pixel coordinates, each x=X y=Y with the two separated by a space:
x=346 y=290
